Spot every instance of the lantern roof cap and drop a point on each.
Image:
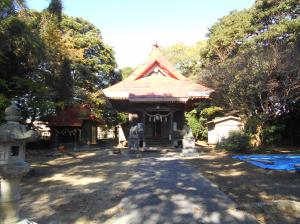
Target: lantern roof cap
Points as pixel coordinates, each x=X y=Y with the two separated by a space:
x=12 y=113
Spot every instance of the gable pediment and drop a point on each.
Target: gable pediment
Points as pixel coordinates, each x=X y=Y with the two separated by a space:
x=156 y=69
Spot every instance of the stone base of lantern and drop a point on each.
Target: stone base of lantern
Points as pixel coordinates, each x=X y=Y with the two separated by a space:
x=10 y=190
x=9 y=214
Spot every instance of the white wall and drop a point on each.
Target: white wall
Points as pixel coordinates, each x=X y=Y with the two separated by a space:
x=105 y=134
x=121 y=134
x=221 y=130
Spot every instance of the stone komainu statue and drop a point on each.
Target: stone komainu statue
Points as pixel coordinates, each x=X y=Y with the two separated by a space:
x=135 y=134
x=136 y=130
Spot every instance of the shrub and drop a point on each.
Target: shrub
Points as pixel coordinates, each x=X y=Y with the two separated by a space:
x=197 y=120
x=237 y=141
x=211 y=112
x=197 y=124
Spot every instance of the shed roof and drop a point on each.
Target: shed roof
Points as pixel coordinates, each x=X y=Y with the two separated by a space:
x=156 y=81
x=72 y=116
x=223 y=119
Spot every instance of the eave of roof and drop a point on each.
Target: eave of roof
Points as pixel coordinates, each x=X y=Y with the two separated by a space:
x=222 y=119
x=73 y=116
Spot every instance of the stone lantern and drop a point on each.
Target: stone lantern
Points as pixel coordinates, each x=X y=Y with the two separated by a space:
x=13 y=166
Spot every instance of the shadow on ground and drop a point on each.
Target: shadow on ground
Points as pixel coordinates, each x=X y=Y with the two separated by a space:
x=268 y=194
x=94 y=188
x=167 y=190
x=85 y=189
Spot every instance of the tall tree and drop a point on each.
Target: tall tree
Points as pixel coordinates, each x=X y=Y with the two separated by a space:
x=55 y=7
x=48 y=60
x=186 y=58
x=228 y=34
x=21 y=51
x=254 y=67
x=10 y=7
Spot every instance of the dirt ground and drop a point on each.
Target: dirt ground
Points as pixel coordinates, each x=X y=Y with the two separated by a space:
x=272 y=196
x=84 y=188
x=87 y=187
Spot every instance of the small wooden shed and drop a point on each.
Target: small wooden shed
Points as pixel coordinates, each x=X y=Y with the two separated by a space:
x=219 y=128
x=75 y=125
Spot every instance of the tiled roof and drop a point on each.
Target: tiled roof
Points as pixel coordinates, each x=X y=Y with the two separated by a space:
x=156 y=81
x=72 y=116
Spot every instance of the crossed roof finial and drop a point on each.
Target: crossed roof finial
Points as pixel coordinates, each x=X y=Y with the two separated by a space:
x=156 y=46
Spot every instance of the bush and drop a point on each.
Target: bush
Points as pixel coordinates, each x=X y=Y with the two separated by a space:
x=212 y=112
x=271 y=134
x=237 y=141
x=197 y=124
x=197 y=120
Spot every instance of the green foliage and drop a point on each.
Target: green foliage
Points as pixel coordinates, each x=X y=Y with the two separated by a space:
x=267 y=22
x=126 y=72
x=228 y=34
x=197 y=124
x=276 y=20
x=48 y=60
x=211 y=112
x=266 y=130
x=237 y=141
x=197 y=119
x=252 y=63
x=113 y=118
x=55 y=8
x=10 y=7
x=271 y=134
x=4 y=102
x=187 y=59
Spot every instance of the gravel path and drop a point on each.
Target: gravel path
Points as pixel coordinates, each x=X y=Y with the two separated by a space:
x=165 y=189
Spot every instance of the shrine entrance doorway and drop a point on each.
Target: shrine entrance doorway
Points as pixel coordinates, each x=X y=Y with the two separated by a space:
x=156 y=130
x=158 y=127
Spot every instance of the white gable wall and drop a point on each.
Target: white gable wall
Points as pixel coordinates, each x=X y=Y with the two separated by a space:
x=219 y=131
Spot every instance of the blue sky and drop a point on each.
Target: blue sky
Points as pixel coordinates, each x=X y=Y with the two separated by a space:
x=132 y=26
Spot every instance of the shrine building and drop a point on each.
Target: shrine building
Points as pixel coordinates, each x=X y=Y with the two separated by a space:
x=156 y=96
x=74 y=125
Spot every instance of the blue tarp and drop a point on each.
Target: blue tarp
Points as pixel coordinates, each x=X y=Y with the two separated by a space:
x=274 y=161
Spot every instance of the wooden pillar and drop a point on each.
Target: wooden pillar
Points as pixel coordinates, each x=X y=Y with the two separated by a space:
x=79 y=135
x=89 y=133
x=75 y=139
x=55 y=139
x=171 y=127
x=144 y=129
x=130 y=117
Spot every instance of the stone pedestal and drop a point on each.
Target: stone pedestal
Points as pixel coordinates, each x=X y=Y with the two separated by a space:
x=133 y=143
x=188 y=143
x=189 y=152
x=10 y=190
x=10 y=213
x=10 y=182
x=188 y=148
